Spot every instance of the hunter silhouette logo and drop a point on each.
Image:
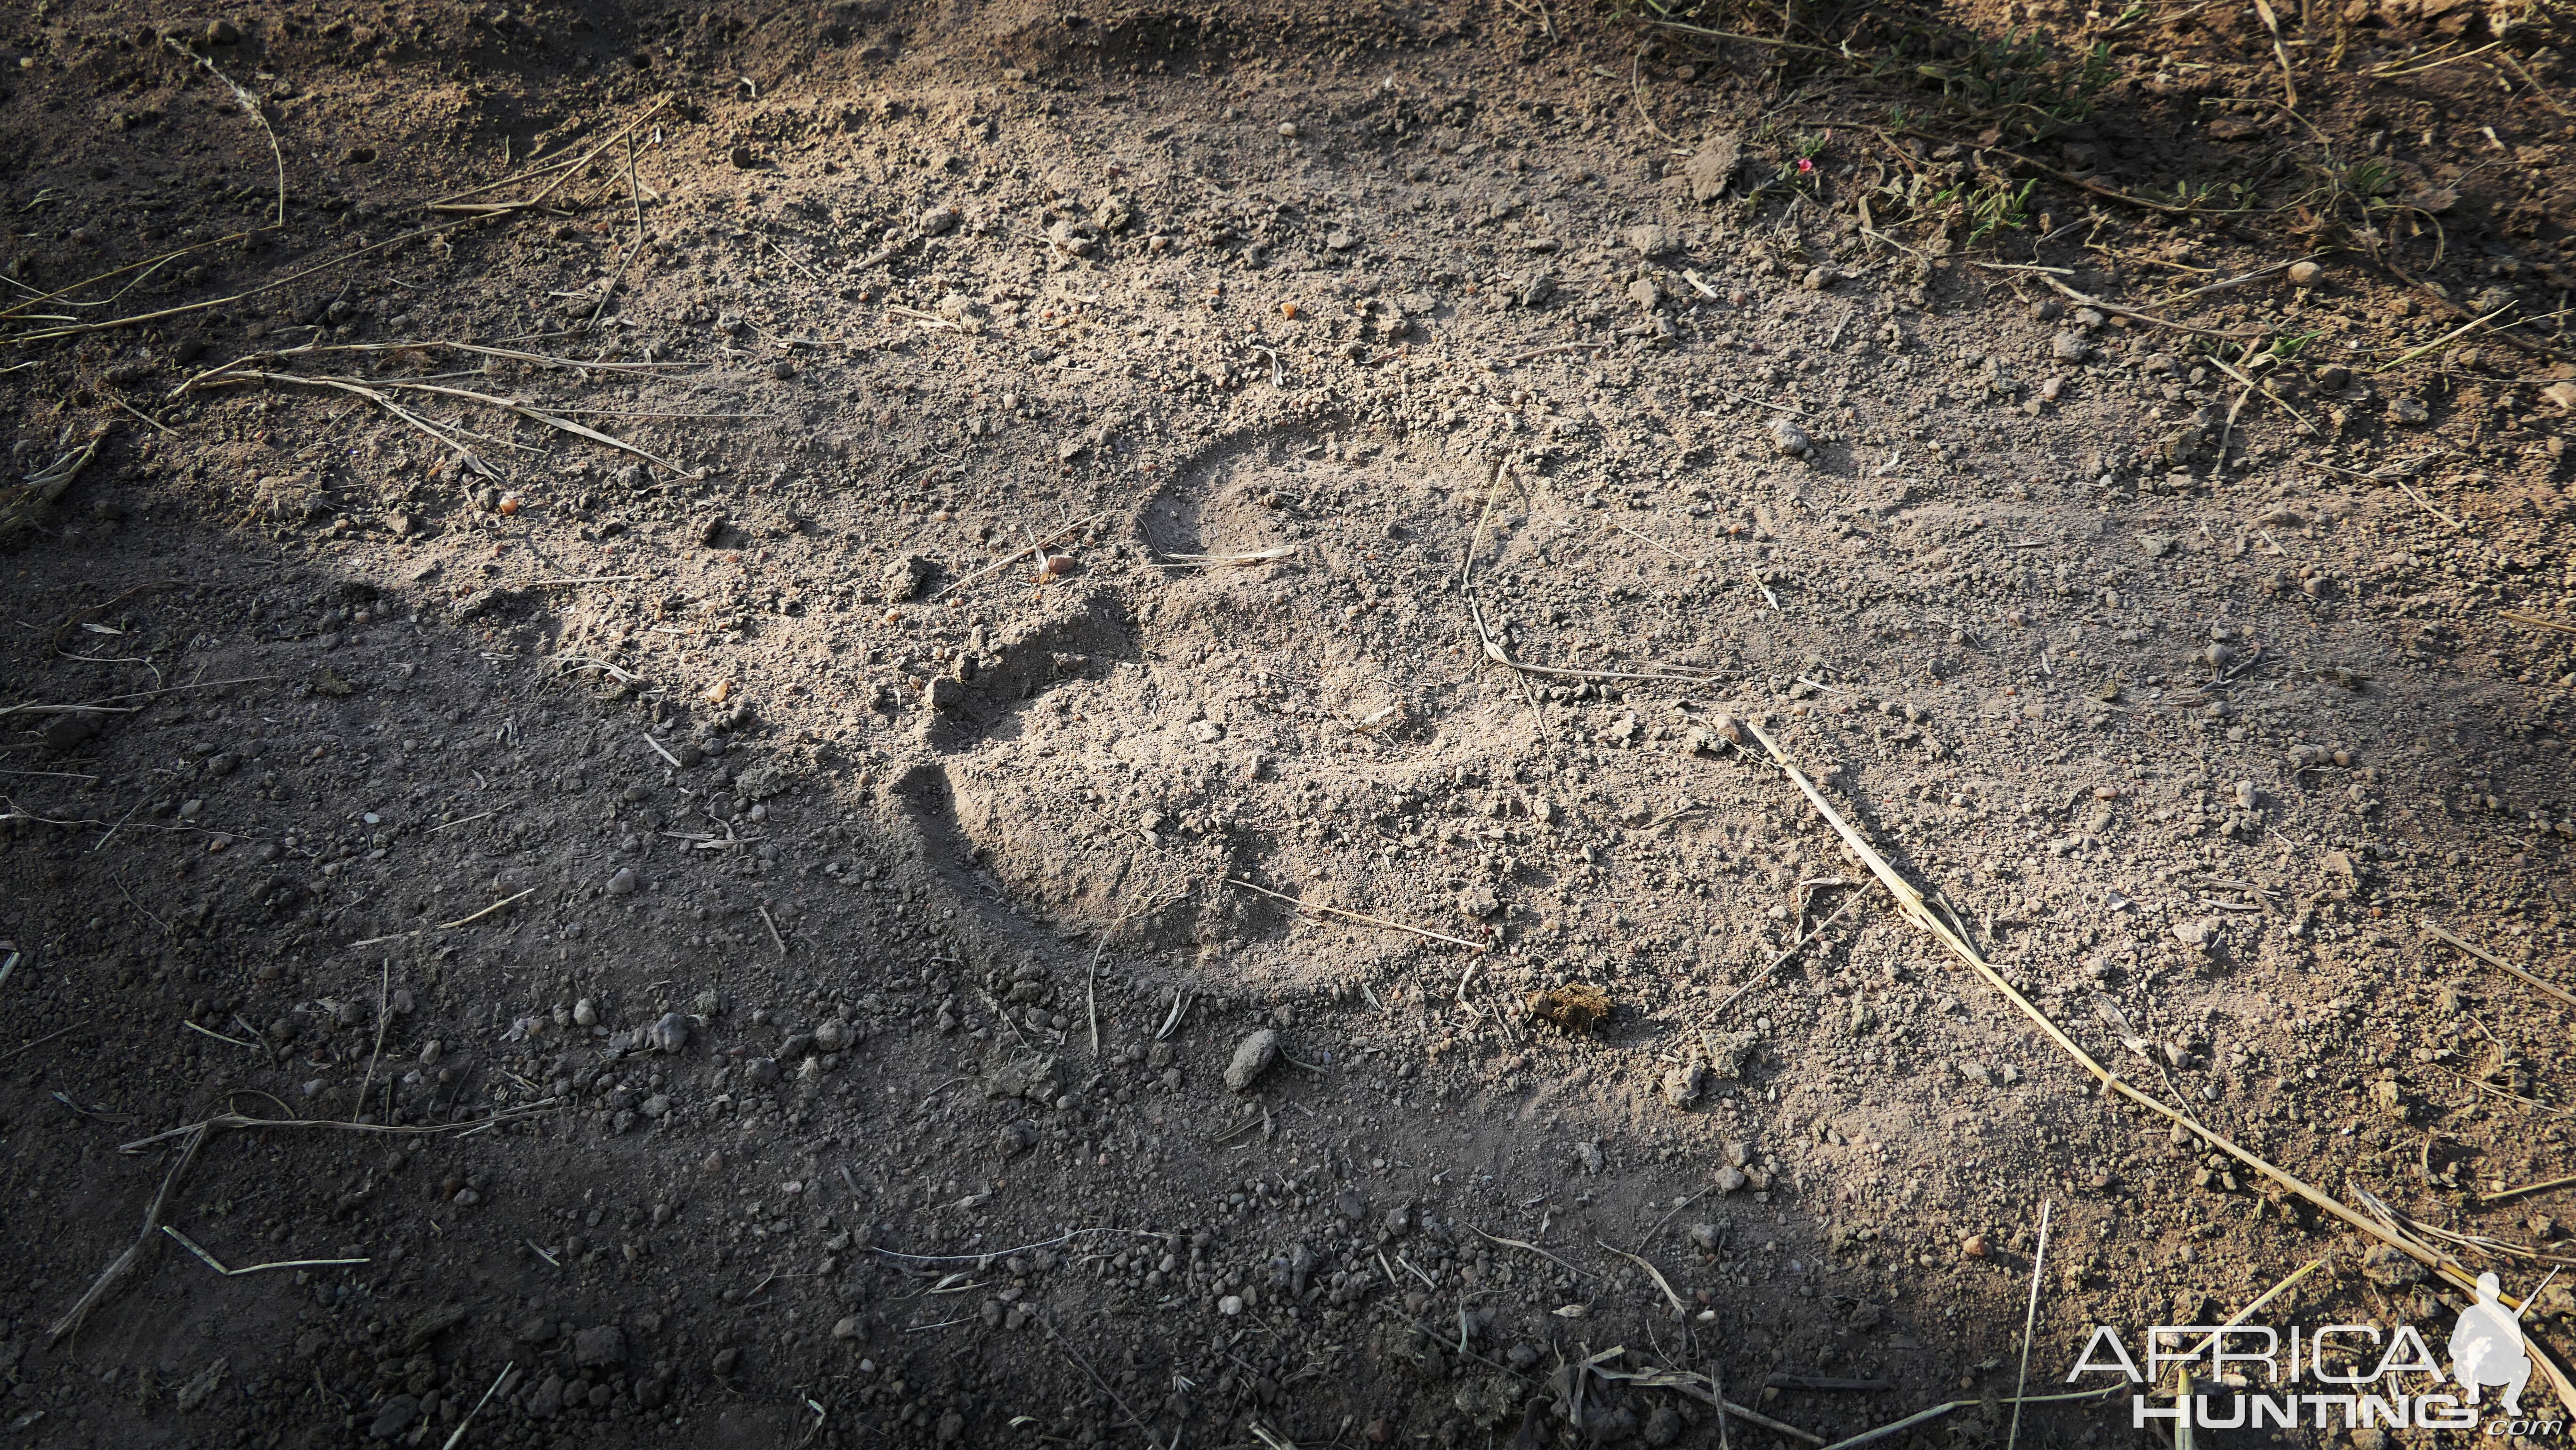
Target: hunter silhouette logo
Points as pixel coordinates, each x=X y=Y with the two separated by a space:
x=2486 y=1348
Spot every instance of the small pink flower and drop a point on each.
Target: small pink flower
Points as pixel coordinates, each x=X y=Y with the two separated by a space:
x=1806 y=163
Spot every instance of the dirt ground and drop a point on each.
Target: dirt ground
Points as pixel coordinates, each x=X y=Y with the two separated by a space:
x=916 y=725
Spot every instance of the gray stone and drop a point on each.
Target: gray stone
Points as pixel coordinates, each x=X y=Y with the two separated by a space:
x=394 y=1417
x=1713 y=166
x=1651 y=240
x=623 y=883
x=1681 y=1085
x=599 y=1348
x=904 y=577
x=671 y=1033
x=2070 y=346
x=548 y=1401
x=1789 y=440
x=1252 y=1058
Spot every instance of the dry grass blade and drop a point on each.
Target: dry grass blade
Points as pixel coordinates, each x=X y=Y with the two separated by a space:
x=240 y=1120
x=2433 y=929
x=1494 y=651
x=211 y=1262
x=124 y=1262
x=539 y=415
x=2527 y=1189
x=472 y=460
x=1004 y=562
x=2089 y=300
x=1950 y=1407
x=562 y=171
x=1703 y=1388
x=2535 y=621
x=1652 y=1273
x=250 y=104
x=466 y=1423
x=1359 y=916
x=2030 y=1316
x=1910 y=901
x=1210 y=561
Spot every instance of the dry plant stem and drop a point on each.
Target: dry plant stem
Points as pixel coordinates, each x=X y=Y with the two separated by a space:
x=473 y=348
x=463 y=1425
x=1948 y=1407
x=566 y=170
x=117 y=702
x=1076 y=1357
x=2280 y=52
x=2526 y=1190
x=2089 y=300
x=237 y=1120
x=20 y=307
x=384 y=987
x=1783 y=959
x=538 y=415
x=2268 y=1295
x=1910 y=902
x=2038 y=1260
x=2386 y=264
x=1004 y=562
x=249 y=103
x=2412 y=353
x=1652 y=1273
x=1358 y=916
x=79 y=329
x=1533 y=1248
x=210 y=1261
x=2535 y=621
x=381 y=399
x=1688 y=1383
x=1494 y=651
x=124 y=1262
x=2553 y=990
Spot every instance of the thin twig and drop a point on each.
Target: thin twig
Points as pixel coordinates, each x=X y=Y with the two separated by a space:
x=1359 y=916
x=384 y=1015
x=238 y=1120
x=116 y=1270
x=462 y=1425
x=210 y=1262
x=2565 y=997
x=2030 y=1316
x=250 y=104
x=1777 y=962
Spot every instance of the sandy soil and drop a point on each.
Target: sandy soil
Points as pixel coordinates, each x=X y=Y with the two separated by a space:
x=1040 y=727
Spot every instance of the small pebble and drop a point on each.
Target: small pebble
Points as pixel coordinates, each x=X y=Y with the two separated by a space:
x=623 y=882
x=585 y=1014
x=2306 y=274
x=1252 y=1058
x=671 y=1033
x=1974 y=1247
x=1789 y=440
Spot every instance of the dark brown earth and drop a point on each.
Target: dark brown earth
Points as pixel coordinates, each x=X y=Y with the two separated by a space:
x=743 y=953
